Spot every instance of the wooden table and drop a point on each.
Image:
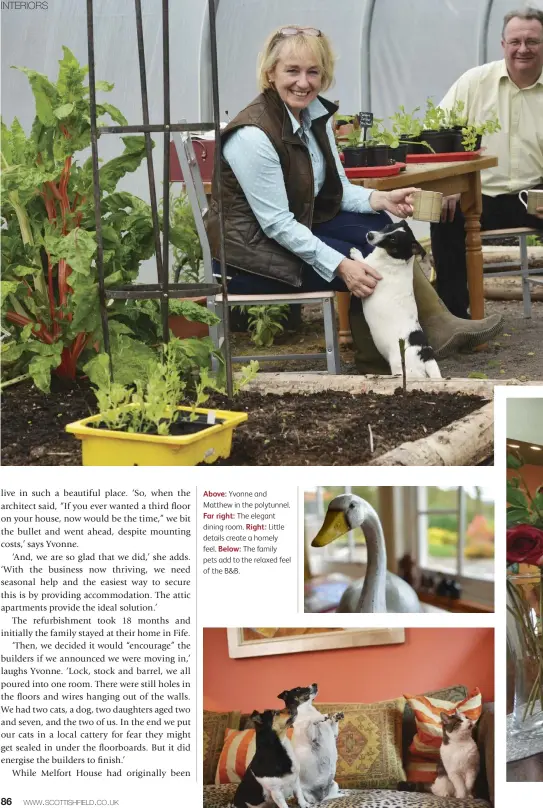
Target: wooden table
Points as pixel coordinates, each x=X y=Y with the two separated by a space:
x=451 y=178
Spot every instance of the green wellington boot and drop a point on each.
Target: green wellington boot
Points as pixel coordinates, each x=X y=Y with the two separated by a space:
x=445 y=332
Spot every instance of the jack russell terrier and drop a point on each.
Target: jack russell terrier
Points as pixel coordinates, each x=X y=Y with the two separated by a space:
x=273 y=774
x=314 y=743
x=391 y=310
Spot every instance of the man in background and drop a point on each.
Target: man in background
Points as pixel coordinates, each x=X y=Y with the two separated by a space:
x=512 y=88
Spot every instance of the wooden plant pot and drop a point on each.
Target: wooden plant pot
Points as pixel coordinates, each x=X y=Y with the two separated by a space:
x=107 y=447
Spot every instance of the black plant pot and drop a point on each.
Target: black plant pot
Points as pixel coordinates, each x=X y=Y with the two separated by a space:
x=459 y=145
x=413 y=146
x=398 y=154
x=365 y=156
x=441 y=140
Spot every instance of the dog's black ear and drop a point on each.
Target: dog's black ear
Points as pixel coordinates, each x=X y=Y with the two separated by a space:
x=405 y=225
x=417 y=249
x=283 y=695
x=256 y=718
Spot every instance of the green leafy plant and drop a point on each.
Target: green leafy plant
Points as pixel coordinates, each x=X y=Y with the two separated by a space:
x=434 y=117
x=266 y=322
x=379 y=135
x=149 y=404
x=471 y=132
x=150 y=401
x=143 y=317
x=405 y=123
x=455 y=117
x=49 y=276
x=187 y=249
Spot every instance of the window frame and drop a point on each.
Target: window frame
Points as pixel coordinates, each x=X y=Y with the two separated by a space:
x=476 y=589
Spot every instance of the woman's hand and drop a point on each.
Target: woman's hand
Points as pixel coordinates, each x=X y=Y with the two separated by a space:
x=360 y=278
x=399 y=202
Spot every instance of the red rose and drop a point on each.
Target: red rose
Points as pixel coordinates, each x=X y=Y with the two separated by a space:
x=525 y=545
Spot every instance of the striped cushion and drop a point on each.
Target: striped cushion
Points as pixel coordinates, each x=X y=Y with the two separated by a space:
x=237 y=752
x=424 y=749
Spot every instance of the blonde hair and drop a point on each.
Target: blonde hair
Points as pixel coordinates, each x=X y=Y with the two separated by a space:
x=319 y=47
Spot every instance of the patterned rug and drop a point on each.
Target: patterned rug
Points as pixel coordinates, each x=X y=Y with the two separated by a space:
x=221 y=797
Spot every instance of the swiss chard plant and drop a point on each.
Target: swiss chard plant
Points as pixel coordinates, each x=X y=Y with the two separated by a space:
x=49 y=274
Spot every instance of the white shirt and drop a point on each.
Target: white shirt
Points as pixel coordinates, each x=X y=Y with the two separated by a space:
x=486 y=90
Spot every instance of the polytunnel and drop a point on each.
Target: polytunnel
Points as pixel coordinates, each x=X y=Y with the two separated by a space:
x=390 y=52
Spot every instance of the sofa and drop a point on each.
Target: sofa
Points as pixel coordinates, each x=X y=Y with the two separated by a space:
x=384 y=724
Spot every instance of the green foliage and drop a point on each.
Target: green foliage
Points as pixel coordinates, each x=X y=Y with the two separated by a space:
x=187 y=250
x=472 y=131
x=151 y=406
x=434 y=117
x=49 y=276
x=455 y=115
x=265 y=322
x=380 y=135
x=405 y=123
x=149 y=400
x=523 y=508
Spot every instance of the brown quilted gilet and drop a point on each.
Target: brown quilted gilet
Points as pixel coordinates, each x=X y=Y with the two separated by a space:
x=246 y=245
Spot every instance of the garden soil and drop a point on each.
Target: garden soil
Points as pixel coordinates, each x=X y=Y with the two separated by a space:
x=329 y=428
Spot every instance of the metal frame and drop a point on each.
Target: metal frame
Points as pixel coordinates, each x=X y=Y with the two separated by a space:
x=523 y=270
x=163 y=290
x=218 y=303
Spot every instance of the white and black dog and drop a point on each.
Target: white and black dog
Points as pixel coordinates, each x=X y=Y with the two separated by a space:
x=314 y=744
x=273 y=773
x=391 y=310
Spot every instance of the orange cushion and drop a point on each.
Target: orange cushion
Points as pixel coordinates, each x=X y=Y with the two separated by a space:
x=237 y=752
x=424 y=749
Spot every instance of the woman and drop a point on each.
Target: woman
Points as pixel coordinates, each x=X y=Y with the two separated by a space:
x=291 y=215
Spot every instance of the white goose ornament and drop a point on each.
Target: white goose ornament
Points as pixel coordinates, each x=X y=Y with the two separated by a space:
x=379 y=591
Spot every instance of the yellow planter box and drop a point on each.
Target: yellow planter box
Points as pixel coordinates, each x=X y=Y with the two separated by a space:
x=107 y=447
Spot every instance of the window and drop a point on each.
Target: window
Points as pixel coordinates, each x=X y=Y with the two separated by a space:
x=455 y=536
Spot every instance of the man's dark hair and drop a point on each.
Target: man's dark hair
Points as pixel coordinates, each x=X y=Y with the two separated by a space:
x=527 y=13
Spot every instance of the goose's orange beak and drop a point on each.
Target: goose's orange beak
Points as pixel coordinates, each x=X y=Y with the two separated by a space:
x=334 y=526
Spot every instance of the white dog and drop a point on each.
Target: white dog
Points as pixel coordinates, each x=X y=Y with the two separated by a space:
x=391 y=310
x=314 y=744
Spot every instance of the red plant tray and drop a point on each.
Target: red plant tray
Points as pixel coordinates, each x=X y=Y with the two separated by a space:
x=444 y=157
x=373 y=171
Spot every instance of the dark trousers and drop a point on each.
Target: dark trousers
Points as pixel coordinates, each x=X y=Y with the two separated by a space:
x=344 y=231
x=449 y=245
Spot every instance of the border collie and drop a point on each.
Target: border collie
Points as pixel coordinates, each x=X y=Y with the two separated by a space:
x=314 y=743
x=391 y=310
x=272 y=775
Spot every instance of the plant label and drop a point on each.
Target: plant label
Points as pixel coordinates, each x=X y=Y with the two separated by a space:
x=365 y=118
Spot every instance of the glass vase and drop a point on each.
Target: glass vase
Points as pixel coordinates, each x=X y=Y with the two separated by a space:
x=525 y=645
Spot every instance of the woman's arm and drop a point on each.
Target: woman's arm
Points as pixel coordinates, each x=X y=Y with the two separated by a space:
x=257 y=167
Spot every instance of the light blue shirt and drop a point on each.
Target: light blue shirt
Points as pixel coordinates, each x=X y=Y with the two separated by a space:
x=255 y=162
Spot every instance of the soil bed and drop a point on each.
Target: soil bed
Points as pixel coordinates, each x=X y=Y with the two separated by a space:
x=328 y=428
